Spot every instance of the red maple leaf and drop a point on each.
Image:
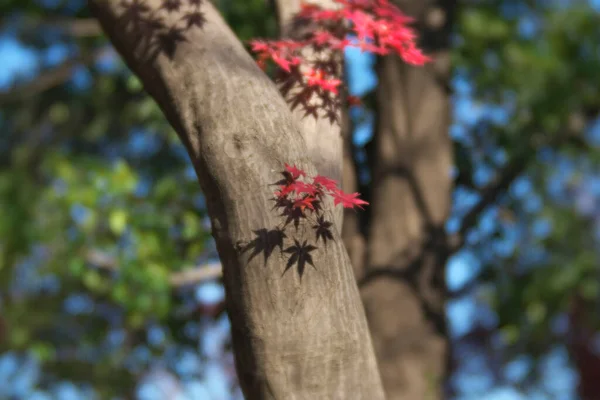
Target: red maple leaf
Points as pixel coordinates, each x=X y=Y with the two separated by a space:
x=294 y=171
x=284 y=190
x=327 y=183
x=259 y=46
x=304 y=202
x=347 y=200
x=377 y=26
x=317 y=77
x=302 y=187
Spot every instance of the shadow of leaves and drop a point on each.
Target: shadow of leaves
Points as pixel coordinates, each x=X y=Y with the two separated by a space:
x=265 y=241
x=154 y=27
x=323 y=230
x=300 y=256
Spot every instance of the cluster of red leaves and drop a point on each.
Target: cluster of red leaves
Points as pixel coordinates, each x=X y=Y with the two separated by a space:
x=372 y=25
x=297 y=196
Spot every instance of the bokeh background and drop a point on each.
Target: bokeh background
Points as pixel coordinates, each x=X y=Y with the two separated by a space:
x=109 y=282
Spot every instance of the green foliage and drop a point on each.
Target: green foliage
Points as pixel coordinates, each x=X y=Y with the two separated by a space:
x=100 y=206
x=538 y=65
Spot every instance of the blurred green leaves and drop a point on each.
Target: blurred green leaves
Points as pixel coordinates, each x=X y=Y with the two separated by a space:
x=100 y=205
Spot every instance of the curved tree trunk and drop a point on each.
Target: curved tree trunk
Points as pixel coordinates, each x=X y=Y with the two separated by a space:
x=402 y=277
x=295 y=337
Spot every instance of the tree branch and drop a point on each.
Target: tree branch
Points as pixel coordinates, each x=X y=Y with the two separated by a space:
x=491 y=191
x=177 y=280
x=514 y=168
x=49 y=79
x=77 y=27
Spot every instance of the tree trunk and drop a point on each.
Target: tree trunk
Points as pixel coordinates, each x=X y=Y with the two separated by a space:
x=321 y=133
x=402 y=278
x=295 y=336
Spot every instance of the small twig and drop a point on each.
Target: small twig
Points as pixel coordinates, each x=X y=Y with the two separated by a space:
x=77 y=27
x=193 y=276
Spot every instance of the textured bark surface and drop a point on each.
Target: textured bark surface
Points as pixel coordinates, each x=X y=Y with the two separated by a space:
x=322 y=136
x=402 y=277
x=294 y=338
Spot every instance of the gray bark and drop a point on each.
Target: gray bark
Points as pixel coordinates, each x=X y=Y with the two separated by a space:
x=323 y=136
x=294 y=338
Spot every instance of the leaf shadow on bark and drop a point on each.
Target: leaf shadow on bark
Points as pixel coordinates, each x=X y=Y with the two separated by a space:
x=155 y=34
x=299 y=255
x=311 y=99
x=266 y=241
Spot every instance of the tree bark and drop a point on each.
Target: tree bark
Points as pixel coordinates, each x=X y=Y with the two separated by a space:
x=402 y=279
x=323 y=136
x=294 y=336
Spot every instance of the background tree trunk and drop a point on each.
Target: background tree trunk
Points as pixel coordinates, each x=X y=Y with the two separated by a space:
x=294 y=337
x=401 y=257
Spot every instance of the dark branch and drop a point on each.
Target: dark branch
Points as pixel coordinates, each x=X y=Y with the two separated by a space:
x=77 y=27
x=498 y=186
x=49 y=79
x=515 y=167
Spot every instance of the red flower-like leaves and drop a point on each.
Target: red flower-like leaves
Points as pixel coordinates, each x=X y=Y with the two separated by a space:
x=296 y=196
x=299 y=197
x=372 y=25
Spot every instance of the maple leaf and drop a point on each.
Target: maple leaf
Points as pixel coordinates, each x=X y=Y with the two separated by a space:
x=413 y=55
x=295 y=172
x=323 y=37
x=261 y=62
x=309 y=189
x=259 y=46
x=283 y=63
x=285 y=190
x=316 y=77
x=305 y=202
x=378 y=27
x=330 y=85
x=300 y=255
x=347 y=200
x=327 y=183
